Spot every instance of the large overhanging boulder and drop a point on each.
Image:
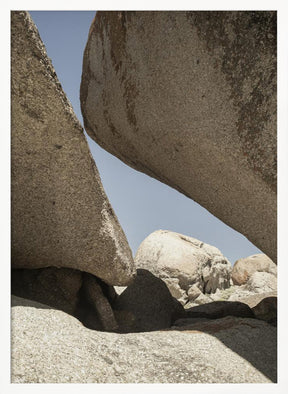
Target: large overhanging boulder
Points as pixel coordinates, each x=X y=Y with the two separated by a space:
x=61 y=216
x=190 y=99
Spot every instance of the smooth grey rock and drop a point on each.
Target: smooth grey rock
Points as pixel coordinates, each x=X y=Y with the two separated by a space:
x=244 y=268
x=49 y=346
x=149 y=303
x=61 y=216
x=190 y=99
x=182 y=261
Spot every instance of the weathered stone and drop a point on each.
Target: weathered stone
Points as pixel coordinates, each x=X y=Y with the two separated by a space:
x=264 y=306
x=266 y=310
x=49 y=346
x=244 y=268
x=189 y=98
x=193 y=292
x=61 y=216
x=219 y=309
x=254 y=299
x=202 y=299
x=149 y=301
x=176 y=291
x=262 y=282
x=57 y=287
x=182 y=261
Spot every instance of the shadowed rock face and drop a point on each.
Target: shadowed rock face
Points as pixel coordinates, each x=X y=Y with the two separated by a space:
x=61 y=216
x=190 y=99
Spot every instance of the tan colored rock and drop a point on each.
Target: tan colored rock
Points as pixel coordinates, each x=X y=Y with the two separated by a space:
x=244 y=268
x=262 y=282
x=182 y=261
x=264 y=306
x=193 y=292
x=201 y=299
x=61 y=216
x=189 y=98
x=176 y=291
x=49 y=346
x=254 y=299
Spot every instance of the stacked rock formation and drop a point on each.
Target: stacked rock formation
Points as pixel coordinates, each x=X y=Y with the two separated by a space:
x=190 y=99
x=61 y=216
x=62 y=221
x=68 y=248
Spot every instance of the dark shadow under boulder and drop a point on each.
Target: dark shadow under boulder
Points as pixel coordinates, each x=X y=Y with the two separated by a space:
x=219 y=309
x=146 y=305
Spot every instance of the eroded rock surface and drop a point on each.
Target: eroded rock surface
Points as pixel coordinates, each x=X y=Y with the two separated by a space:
x=184 y=263
x=190 y=99
x=61 y=216
x=50 y=346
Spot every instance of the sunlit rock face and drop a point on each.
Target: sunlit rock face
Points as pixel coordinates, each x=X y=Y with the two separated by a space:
x=61 y=216
x=189 y=267
x=244 y=268
x=190 y=99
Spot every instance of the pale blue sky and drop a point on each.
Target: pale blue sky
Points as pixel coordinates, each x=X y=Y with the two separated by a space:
x=142 y=204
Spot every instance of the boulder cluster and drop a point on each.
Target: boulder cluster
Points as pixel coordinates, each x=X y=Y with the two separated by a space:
x=188 y=314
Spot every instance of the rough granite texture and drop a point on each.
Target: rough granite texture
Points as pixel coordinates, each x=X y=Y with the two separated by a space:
x=189 y=98
x=60 y=213
x=49 y=346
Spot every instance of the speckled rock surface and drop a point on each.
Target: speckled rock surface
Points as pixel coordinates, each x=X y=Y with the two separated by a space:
x=182 y=262
x=49 y=346
x=244 y=268
x=190 y=99
x=60 y=213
